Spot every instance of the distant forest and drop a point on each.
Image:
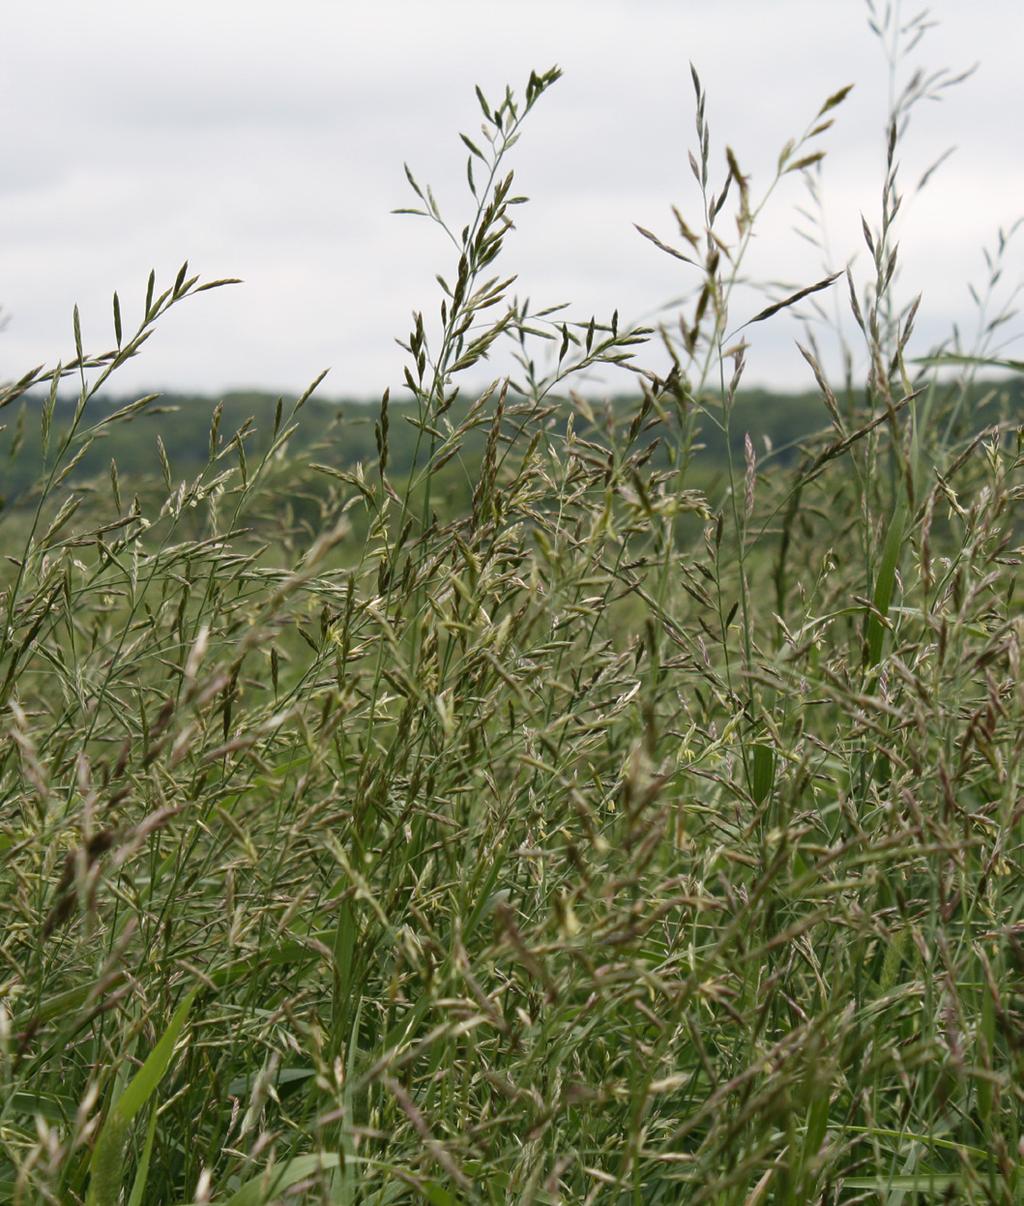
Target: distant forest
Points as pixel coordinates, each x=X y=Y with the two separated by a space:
x=340 y=433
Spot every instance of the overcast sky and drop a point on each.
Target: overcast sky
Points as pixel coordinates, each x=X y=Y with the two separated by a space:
x=266 y=141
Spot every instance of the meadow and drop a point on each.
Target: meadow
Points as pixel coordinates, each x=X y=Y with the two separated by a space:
x=511 y=796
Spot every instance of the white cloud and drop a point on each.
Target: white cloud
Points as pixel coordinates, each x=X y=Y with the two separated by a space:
x=267 y=142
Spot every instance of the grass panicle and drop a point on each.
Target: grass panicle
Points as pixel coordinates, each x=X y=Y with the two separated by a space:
x=523 y=810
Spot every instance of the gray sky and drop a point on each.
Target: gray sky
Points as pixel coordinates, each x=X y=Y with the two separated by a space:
x=266 y=141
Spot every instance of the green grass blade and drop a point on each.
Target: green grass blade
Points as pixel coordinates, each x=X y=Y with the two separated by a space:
x=885 y=583
x=142 y=1175
x=762 y=772
x=910 y=1183
x=106 y=1165
x=262 y=1189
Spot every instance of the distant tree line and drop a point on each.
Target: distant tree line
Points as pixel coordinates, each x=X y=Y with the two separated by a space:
x=341 y=433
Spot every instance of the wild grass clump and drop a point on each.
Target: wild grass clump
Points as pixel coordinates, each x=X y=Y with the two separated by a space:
x=592 y=839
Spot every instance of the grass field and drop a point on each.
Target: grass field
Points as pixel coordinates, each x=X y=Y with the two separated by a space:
x=555 y=821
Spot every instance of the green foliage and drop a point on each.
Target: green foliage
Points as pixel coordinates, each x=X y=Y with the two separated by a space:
x=106 y=1166
x=522 y=799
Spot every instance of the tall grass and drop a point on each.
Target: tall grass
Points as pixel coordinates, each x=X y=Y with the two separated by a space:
x=598 y=840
